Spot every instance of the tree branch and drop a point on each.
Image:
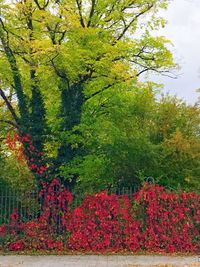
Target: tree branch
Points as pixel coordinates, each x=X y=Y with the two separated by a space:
x=41 y=7
x=91 y=13
x=100 y=91
x=10 y=122
x=79 y=5
x=9 y=106
x=15 y=71
x=60 y=74
x=165 y=73
x=134 y=19
x=62 y=37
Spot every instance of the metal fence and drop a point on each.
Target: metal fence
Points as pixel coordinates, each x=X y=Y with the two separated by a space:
x=28 y=204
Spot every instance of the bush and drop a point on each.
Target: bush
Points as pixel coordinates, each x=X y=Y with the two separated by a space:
x=151 y=220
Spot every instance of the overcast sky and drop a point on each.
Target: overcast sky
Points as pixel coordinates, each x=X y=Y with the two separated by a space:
x=183 y=29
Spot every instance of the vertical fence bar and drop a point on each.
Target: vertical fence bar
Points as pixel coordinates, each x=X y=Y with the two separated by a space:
x=5 y=206
x=18 y=197
x=9 y=196
x=1 y=206
x=13 y=199
x=130 y=192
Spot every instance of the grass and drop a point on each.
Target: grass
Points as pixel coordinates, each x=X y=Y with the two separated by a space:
x=74 y=253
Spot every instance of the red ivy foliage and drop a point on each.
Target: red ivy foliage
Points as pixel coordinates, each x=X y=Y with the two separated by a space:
x=170 y=221
x=14 y=144
x=45 y=232
x=104 y=223
x=151 y=220
x=22 y=146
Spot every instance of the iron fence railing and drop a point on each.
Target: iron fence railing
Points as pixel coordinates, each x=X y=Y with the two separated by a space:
x=28 y=204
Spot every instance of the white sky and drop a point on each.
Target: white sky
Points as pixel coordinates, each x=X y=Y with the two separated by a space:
x=183 y=29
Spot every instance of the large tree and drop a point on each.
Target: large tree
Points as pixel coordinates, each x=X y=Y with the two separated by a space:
x=56 y=56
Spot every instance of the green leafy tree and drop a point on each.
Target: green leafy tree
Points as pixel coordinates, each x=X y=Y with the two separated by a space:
x=176 y=133
x=135 y=136
x=60 y=55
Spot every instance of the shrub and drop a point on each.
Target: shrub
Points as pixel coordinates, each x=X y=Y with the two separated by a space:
x=151 y=220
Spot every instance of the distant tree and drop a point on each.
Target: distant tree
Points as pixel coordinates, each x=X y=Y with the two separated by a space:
x=137 y=136
x=177 y=132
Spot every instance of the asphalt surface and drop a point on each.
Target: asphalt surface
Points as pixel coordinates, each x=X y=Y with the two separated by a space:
x=98 y=261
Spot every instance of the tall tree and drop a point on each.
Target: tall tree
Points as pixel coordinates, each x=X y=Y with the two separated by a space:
x=60 y=55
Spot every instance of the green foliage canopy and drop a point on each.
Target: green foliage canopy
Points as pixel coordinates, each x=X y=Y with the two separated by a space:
x=72 y=69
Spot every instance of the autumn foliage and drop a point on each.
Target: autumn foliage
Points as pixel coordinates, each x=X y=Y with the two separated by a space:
x=151 y=220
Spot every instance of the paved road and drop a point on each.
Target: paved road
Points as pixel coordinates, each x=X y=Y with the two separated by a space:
x=98 y=261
